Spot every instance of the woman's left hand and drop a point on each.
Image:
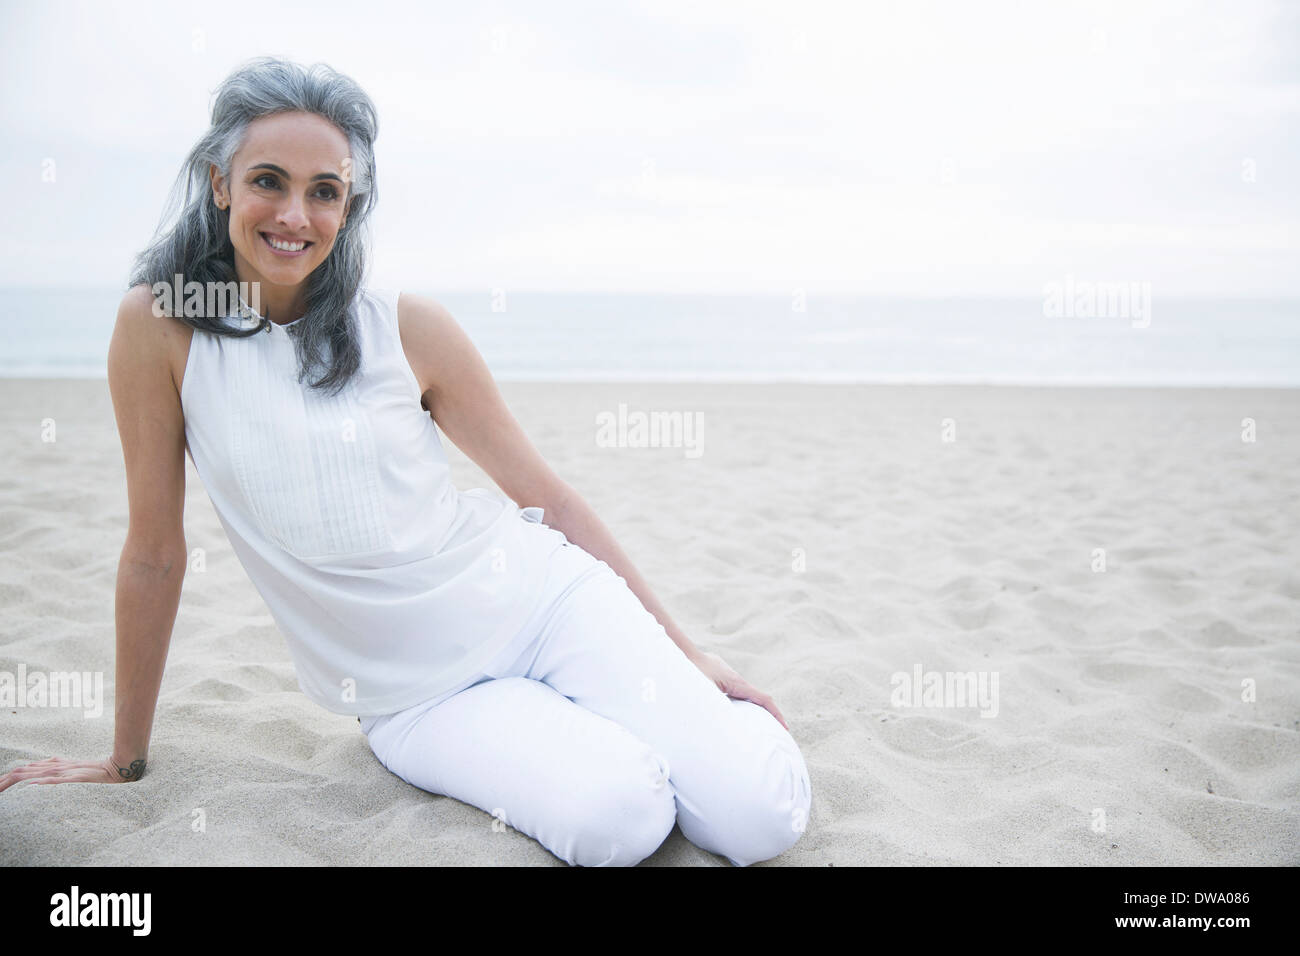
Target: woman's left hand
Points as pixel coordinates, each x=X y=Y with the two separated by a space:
x=733 y=685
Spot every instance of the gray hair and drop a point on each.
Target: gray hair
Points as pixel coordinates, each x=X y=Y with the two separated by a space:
x=197 y=245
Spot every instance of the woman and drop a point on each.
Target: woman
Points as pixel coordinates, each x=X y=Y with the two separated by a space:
x=488 y=656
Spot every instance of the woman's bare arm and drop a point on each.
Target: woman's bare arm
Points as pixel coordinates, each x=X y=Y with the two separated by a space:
x=149 y=573
x=151 y=426
x=467 y=405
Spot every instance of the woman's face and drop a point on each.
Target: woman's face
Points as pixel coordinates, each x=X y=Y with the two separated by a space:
x=289 y=185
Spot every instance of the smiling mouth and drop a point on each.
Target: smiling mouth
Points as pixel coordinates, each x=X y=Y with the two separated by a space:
x=284 y=245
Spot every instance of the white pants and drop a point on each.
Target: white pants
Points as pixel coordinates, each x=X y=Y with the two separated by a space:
x=592 y=733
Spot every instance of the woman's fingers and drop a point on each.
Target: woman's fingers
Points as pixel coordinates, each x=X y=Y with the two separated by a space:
x=763 y=700
x=776 y=712
x=57 y=770
x=733 y=685
x=767 y=703
x=770 y=706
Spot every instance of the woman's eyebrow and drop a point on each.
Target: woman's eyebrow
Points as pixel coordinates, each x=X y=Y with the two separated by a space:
x=276 y=169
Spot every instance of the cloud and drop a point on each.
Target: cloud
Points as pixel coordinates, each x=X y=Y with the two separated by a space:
x=919 y=146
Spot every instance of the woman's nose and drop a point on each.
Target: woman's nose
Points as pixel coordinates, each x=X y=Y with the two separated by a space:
x=292 y=215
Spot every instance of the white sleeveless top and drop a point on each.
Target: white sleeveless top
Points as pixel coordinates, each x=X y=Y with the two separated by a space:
x=389 y=585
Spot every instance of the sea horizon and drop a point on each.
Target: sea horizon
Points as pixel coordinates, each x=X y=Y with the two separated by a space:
x=755 y=338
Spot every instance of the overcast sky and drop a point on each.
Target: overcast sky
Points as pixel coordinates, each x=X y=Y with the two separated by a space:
x=930 y=148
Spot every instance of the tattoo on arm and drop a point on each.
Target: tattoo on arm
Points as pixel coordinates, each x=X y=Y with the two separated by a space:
x=133 y=772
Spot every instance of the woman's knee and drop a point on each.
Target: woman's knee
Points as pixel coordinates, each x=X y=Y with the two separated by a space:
x=771 y=818
x=759 y=805
x=627 y=815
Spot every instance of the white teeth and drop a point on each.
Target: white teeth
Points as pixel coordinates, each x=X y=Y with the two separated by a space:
x=287 y=246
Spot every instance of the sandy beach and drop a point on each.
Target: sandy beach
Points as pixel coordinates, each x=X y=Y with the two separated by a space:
x=1117 y=568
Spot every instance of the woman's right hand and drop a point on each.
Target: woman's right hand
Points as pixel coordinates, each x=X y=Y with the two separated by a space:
x=62 y=770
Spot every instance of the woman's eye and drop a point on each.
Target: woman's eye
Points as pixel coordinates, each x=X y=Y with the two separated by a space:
x=270 y=182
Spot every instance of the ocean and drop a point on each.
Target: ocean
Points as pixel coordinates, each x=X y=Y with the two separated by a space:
x=544 y=336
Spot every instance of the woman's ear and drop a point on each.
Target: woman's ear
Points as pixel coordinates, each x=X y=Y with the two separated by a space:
x=218 y=187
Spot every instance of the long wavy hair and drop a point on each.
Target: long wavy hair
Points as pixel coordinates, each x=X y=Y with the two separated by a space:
x=193 y=236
